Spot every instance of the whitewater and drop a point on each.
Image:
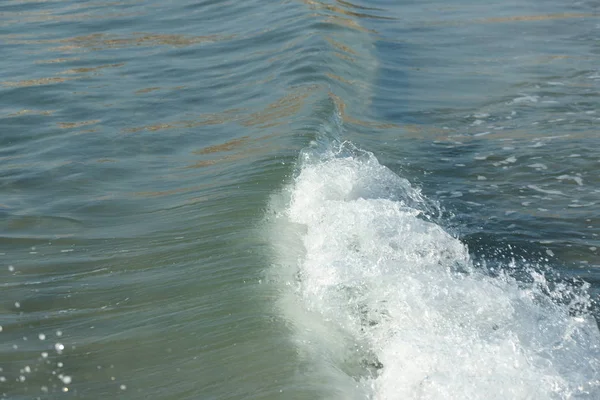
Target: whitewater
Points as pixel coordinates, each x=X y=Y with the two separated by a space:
x=384 y=303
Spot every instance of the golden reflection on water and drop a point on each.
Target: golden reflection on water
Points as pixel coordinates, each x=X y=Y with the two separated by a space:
x=204 y=120
x=227 y=146
x=277 y=112
x=62 y=12
x=36 y=82
x=246 y=152
x=71 y=125
x=346 y=23
x=344 y=8
x=340 y=46
x=31 y=112
x=274 y=114
x=91 y=69
x=207 y=163
x=57 y=60
x=53 y=80
x=104 y=41
x=341 y=107
x=244 y=147
x=340 y=79
x=147 y=90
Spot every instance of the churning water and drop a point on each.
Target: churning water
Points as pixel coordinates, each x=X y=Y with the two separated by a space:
x=299 y=199
x=386 y=304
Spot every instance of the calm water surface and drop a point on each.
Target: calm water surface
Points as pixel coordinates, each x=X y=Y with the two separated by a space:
x=299 y=199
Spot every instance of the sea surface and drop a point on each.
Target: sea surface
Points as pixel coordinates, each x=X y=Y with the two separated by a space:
x=299 y=199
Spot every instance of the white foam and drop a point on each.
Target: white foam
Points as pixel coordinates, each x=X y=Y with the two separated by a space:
x=546 y=191
x=538 y=166
x=577 y=179
x=388 y=305
x=525 y=99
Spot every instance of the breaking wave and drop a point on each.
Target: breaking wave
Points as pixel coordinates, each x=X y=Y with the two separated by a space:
x=383 y=303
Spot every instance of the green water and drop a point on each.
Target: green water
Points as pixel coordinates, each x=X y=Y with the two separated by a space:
x=142 y=142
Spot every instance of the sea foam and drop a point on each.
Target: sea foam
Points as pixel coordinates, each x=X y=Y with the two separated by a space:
x=386 y=304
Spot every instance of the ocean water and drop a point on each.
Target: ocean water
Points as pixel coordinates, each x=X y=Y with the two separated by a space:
x=299 y=199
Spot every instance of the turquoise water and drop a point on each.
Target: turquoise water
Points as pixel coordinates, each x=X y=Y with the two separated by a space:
x=299 y=199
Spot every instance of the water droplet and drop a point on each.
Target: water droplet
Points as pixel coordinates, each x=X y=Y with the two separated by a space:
x=59 y=347
x=44 y=354
x=59 y=333
x=42 y=336
x=66 y=379
x=17 y=304
x=123 y=387
x=11 y=268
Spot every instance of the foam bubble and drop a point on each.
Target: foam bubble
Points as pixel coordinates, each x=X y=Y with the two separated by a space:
x=381 y=294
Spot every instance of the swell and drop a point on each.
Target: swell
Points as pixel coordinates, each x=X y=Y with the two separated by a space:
x=381 y=302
